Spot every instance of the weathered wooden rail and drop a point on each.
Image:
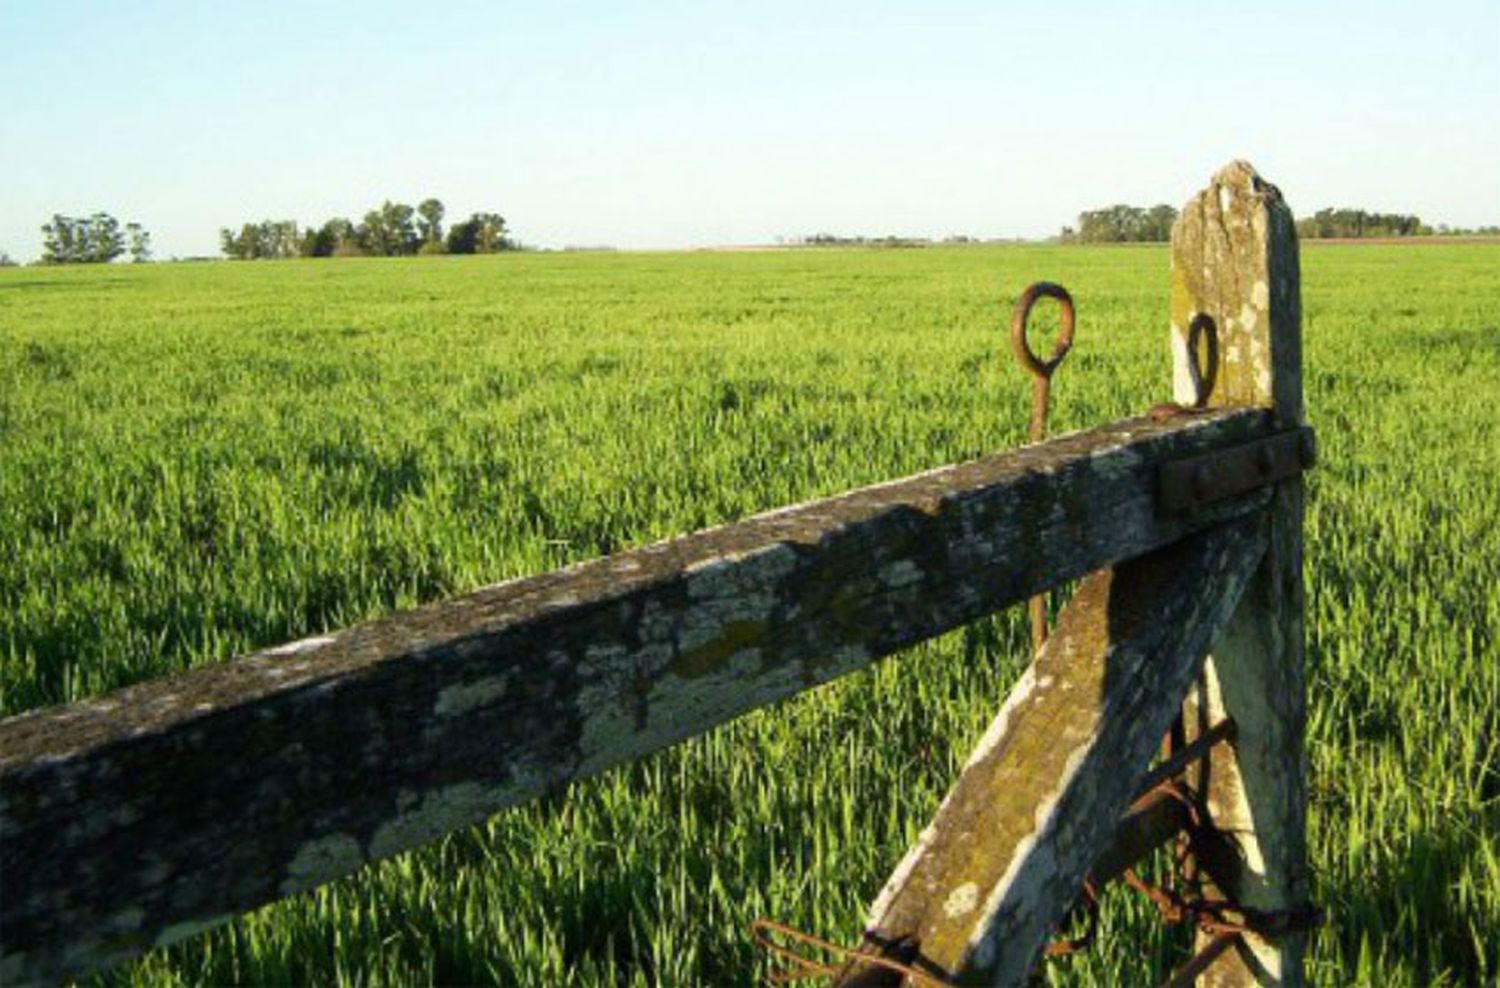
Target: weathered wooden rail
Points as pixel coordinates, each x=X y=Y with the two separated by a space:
x=147 y=815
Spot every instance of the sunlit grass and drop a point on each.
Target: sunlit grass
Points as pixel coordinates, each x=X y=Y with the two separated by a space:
x=198 y=460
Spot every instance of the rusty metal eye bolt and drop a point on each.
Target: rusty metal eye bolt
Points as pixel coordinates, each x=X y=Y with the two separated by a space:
x=1024 y=356
x=1202 y=367
x=1041 y=370
x=1041 y=392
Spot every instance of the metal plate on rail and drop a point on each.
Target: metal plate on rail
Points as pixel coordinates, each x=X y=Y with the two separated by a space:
x=1185 y=485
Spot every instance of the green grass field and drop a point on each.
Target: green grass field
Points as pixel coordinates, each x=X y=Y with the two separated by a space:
x=196 y=460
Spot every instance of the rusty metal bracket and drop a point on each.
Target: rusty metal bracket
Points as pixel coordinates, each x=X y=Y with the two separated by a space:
x=1185 y=485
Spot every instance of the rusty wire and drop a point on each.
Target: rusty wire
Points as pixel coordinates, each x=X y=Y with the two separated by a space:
x=1068 y=946
x=1224 y=921
x=804 y=966
x=1178 y=755
x=1041 y=372
x=1218 y=916
x=1187 y=975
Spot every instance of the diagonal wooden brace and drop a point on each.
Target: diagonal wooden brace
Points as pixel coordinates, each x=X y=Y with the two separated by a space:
x=1042 y=796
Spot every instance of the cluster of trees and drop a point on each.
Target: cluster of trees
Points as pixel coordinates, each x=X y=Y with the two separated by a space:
x=1354 y=223
x=394 y=229
x=96 y=239
x=1359 y=223
x=266 y=239
x=1345 y=224
x=1122 y=224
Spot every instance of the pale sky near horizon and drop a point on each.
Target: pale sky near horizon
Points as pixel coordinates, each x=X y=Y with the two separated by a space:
x=685 y=124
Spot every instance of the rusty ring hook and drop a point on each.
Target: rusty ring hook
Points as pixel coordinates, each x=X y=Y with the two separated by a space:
x=1041 y=394
x=1022 y=349
x=1204 y=375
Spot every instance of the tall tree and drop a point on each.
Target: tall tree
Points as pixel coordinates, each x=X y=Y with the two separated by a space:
x=229 y=244
x=139 y=241
x=105 y=239
x=267 y=239
x=491 y=236
x=1123 y=223
x=431 y=223
x=481 y=233
x=57 y=240
x=388 y=231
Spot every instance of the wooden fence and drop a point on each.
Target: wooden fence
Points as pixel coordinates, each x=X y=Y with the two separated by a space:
x=144 y=816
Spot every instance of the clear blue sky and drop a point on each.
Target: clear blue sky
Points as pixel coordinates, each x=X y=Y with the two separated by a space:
x=675 y=124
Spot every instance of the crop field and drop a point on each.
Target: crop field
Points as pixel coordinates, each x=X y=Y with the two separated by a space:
x=198 y=460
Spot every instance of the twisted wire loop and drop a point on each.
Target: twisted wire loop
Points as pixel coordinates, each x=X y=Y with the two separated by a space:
x=803 y=966
x=1041 y=372
x=1224 y=921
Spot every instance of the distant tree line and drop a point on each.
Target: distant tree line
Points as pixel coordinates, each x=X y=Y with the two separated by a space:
x=1349 y=224
x=96 y=239
x=1354 y=223
x=394 y=229
x=836 y=240
x=1126 y=224
x=1444 y=230
x=1122 y=223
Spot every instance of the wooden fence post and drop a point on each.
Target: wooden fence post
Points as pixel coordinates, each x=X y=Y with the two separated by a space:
x=1234 y=259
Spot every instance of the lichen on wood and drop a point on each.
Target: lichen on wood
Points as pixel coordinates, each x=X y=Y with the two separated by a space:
x=1234 y=257
x=1040 y=799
